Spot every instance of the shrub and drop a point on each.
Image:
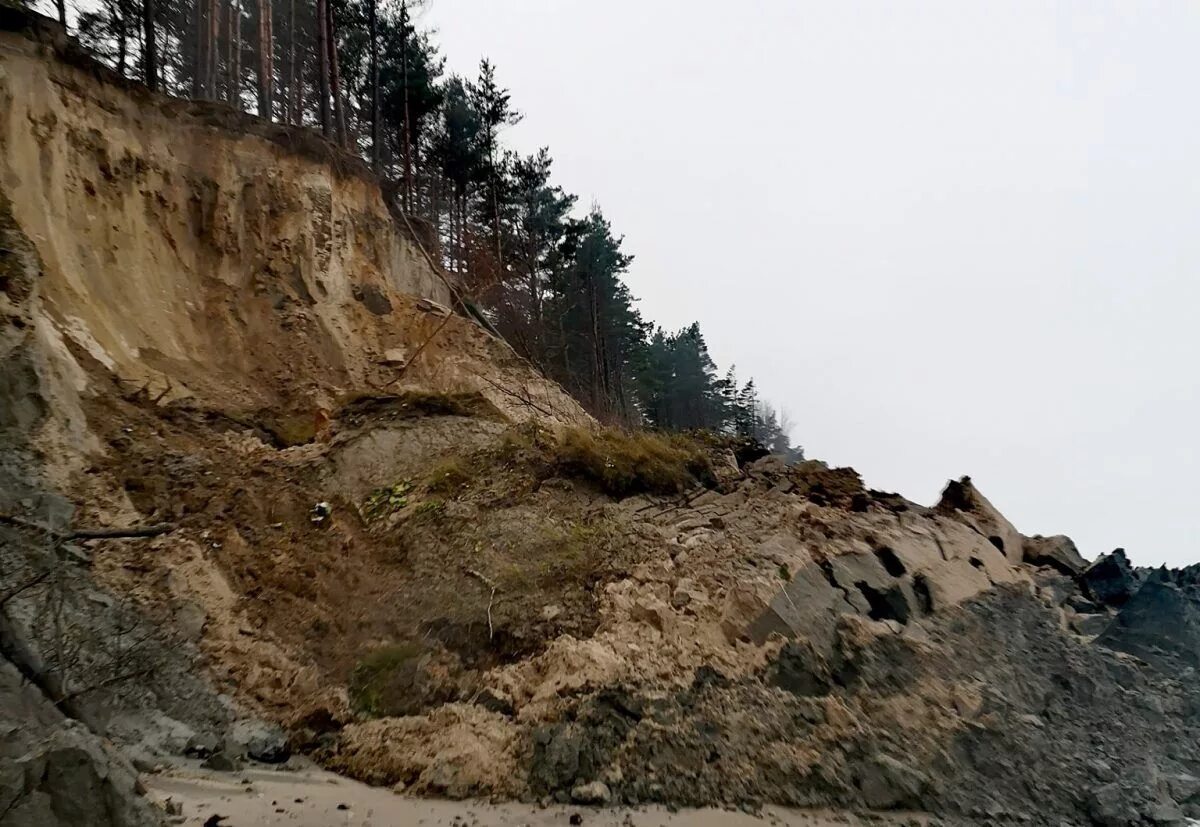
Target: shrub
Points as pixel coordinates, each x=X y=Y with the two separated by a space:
x=624 y=463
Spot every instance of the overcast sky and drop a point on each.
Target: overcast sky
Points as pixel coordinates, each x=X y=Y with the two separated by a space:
x=948 y=237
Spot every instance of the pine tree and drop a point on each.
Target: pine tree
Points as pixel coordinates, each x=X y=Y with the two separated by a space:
x=492 y=103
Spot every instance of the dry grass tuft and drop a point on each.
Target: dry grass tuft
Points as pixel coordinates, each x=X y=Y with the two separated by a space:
x=626 y=463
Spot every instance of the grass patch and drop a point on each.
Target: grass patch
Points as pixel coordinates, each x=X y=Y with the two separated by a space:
x=429 y=508
x=555 y=555
x=377 y=676
x=450 y=477
x=623 y=464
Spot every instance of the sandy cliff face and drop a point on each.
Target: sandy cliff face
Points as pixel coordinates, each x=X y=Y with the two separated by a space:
x=197 y=252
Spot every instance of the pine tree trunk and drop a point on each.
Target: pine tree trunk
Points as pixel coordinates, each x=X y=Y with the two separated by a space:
x=408 y=160
x=289 y=98
x=62 y=12
x=229 y=74
x=237 y=54
x=266 y=60
x=335 y=78
x=376 y=153
x=323 y=66
x=198 y=68
x=151 y=39
x=122 y=50
x=214 y=33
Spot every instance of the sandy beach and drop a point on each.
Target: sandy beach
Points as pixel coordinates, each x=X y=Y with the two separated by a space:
x=311 y=797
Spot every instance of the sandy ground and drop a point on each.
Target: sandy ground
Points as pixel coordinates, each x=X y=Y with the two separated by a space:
x=310 y=797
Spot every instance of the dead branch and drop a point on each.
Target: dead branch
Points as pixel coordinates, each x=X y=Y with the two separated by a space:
x=115 y=533
x=400 y=373
x=28 y=584
x=523 y=399
x=107 y=682
x=487 y=581
x=88 y=533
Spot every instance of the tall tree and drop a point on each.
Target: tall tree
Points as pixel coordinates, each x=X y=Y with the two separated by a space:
x=323 y=38
x=373 y=34
x=335 y=77
x=150 y=39
x=266 y=60
x=495 y=112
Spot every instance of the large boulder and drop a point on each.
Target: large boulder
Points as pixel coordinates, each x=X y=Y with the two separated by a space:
x=54 y=772
x=963 y=501
x=1058 y=553
x=72 y=779
x=1160 y=624
x=1110 y=580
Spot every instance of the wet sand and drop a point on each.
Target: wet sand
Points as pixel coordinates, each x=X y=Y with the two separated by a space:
x=311 y=797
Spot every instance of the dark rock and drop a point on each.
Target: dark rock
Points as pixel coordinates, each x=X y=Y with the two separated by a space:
x=73 y=780
x=887 y=783
x=801 y=671
x=260 y=742
x=1160 y=624
x=1091 y=625
x=495 y=701
x=1056 y=552
x=222 y=762
x=1109 y=806
x=556 y=751
x=1181 y=786
x=202 y=745
x=1165 y=812
x=1084 y=606
x=1110 y=580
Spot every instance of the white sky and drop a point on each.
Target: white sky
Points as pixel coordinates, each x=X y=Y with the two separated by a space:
x=949 y=237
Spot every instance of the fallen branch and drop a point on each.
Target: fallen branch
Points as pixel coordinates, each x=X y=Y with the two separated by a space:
x=89 y=533
x=111 y=533
x=525 y=399
x=107 y=682
x=28 y=584
x=403 y=368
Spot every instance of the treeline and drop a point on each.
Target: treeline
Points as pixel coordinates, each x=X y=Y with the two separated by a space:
x=551 y=280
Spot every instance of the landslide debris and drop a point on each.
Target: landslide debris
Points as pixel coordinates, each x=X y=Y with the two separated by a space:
x=438 y=574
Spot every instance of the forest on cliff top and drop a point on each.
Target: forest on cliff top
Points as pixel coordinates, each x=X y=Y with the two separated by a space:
x=550 y=276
